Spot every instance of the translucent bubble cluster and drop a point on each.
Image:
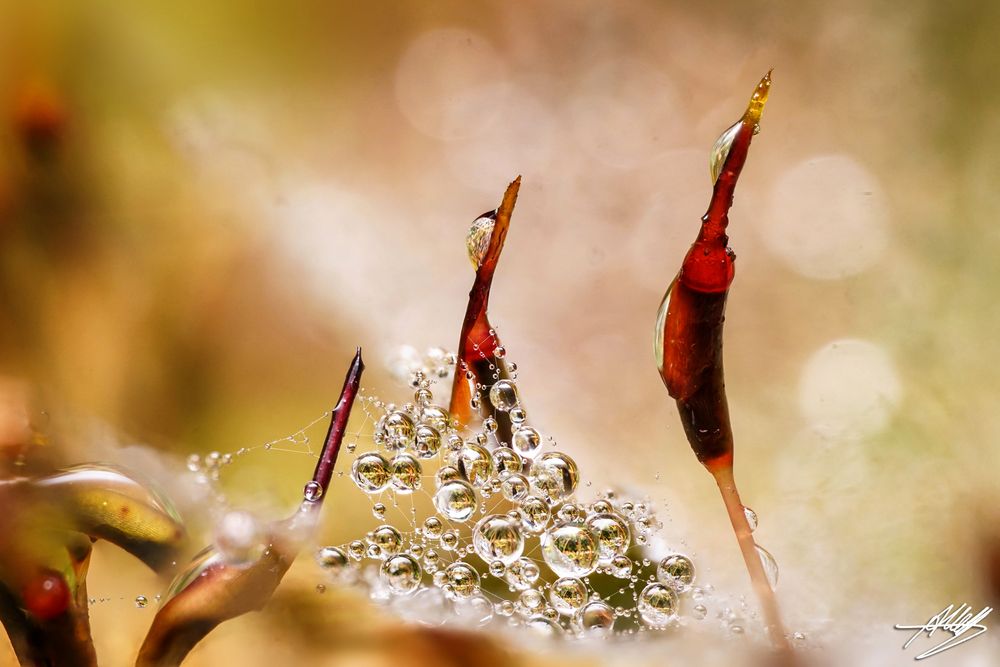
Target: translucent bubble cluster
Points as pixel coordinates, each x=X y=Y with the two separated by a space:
x=490 y=526
x=487 y=524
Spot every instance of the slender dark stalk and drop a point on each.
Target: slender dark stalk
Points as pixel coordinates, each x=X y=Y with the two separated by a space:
x=338 y=425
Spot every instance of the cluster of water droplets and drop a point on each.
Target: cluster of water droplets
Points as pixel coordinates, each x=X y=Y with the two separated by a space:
x=504 y=537
x=473 y=530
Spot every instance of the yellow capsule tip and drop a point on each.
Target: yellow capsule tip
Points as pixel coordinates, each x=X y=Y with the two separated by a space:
x=759 y=98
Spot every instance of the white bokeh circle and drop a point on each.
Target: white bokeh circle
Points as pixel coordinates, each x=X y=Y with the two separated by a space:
x=827 y=218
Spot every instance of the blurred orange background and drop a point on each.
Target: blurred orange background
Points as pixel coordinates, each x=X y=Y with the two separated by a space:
x=204 y=207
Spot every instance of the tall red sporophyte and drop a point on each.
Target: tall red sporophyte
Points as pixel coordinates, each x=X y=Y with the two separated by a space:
x=688 y=342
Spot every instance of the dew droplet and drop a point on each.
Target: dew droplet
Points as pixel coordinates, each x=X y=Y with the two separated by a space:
x=432 y=527
x=475 y=464
x=676 y=570
x=478 y=239
x=514 y=487
x=388 y=540
x=657 y=604
x=461 y=580
x=613 y=535
x=535 y=514
x=570 y=550
x=334 y=562
x=567 y=595
x=456 y=500
x=405 y=473
x=312 y=491
x=554 y=476
x=506 y=460
x=497 y=538
x=596 y=619
x=370 y=472
x=751 y=518
x=531 y=600
x=427 y=441
x=503 y=395
x=526 y=441
x=141 y=601
x=401 y=574
x=770 y=565
x=396 y=430
x=378 y=510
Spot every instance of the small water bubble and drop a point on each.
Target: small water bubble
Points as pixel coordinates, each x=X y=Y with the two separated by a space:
x=312 y=491
x=596 y=619
x=378 y=510
x=141 y=601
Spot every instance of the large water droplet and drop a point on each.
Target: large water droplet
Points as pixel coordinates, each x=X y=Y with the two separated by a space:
x=478 y=240
x=657 y=604
x=461 y=580
x=567 y=595
x=613 y=535
x=526 y=441
x=596 y=619
x=371 y=472
x=570 y=550
x=456 y=500
x=676 y=570
x=720 y=151
x=405 y=471
x=503 y=395
x=554 y=476
x=401 y=574
x=497 y=538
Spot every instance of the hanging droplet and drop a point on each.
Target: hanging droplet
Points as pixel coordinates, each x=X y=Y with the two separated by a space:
x=751 y=518
x=478 y=240
x=720 y=151
x=461 y=580
x=141 y=601
x=526 y=441
x=770 y=565
x=371 y=472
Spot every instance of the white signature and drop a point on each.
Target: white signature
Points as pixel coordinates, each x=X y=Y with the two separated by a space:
x=958 y=621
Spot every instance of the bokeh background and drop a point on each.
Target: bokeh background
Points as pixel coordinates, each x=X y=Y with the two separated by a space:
x=204 y=207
